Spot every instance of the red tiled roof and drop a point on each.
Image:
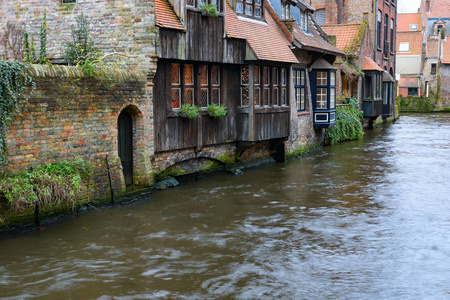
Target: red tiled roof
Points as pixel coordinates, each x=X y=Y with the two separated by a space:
x=414 y=38
x=313 y=41
x=404 y=20
x=408 y=82
x=347 y=35
x=371 y=65
x=165 y=16
x=264 y=38
x=438 y=9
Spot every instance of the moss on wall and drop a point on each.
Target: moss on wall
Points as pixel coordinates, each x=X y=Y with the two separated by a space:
x=417 y=104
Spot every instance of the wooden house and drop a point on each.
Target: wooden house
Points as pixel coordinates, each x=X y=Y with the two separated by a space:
x=239 y=58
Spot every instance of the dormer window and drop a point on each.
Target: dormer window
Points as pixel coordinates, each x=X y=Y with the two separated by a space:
x=304 y=20
x=285 y=11
x=249 y=8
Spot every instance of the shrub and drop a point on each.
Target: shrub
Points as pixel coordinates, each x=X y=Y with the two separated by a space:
x=348 y=124
x=62 y=183
x=190 y=110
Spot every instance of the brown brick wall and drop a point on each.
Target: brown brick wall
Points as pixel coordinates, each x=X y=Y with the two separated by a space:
x=121 y=26
x=70 y=115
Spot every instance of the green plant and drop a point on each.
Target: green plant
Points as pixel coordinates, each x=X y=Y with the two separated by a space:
x=190 y=110
x=217 y=111
x=61 y=183
x=348 y=124
x=210 y=9
x=13 y=80
x=43 y=40
x=30 y=47
x=81 y=50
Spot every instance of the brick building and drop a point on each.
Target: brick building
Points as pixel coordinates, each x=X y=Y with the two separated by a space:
x=409 y=54
x=435 y=69
x=380 y=17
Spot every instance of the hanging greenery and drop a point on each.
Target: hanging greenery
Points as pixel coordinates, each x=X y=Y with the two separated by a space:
x=13 y=80
x=348 y=124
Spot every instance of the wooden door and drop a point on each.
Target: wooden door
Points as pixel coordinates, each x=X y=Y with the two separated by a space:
x=125 y=136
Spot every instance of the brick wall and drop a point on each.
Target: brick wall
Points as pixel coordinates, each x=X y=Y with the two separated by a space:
x=121 y=26
x=70 y=115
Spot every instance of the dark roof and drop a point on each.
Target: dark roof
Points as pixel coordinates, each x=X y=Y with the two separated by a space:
x=322 y=64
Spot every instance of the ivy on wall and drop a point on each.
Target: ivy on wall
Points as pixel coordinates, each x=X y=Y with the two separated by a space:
x=13 y=80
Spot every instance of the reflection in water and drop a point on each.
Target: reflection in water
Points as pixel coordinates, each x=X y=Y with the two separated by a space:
x=362 y=220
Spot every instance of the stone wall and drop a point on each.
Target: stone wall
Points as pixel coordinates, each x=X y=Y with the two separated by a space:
x=123 y=26
x=71 y=115
x=445 y=85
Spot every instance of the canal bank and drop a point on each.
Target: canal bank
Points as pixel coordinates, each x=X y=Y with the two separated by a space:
x=368 y=217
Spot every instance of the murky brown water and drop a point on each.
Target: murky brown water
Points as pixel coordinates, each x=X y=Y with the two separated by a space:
x=363 y=220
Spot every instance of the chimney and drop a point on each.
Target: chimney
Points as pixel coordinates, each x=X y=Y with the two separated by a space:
x=366 y=16
x=427 y=5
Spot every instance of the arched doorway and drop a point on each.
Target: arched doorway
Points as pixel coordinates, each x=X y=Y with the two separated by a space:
x=125 y=142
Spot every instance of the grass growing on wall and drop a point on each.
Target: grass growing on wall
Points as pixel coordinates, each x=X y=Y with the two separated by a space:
x=60 y=184
x=348 y=124
x=417 y=104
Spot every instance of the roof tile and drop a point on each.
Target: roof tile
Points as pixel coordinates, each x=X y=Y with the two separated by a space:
x=264 y=38
x=347 y=35
x=371 y=65
x=166 y=17
x=404 y=20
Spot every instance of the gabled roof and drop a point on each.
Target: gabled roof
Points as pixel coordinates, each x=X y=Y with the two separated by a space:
x=313 y=40
x=264 y=38
x=322 y=64
x=404 y=20
x=166 y=17
x=371 y=65
x=348 y=36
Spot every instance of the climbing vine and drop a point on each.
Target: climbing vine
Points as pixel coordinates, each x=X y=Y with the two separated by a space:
x=13 y=80
x=348 y=124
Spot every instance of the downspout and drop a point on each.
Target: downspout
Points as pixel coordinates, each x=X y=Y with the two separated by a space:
x=376 y=32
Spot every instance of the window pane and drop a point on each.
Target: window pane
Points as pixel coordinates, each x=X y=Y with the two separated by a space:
x=283 y=77
x=257 y=11
x=275 y=76
x=239 y=7
x=204 y=97
x=302 y=78
x=244 y=96
x=321 y=78
x=284 y=98
x=175 y=74
x=190 y=3
x=189 y=96
x=321 y=98
x=275 y=96
x=176 y=98
x=332 y=97
x=188 y=74
x=204 y=75
x=333 y=78
x=258 y=2
x=266 y=96
x=215 y=75
x=266 y=76
x=257 y=75
x=298 y=98
x=257 y=97
x=302 y=98
x=215 y=97
x=248 y=10
x=244 y=75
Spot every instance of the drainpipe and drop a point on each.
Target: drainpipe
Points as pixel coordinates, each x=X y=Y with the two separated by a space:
x=376 y=32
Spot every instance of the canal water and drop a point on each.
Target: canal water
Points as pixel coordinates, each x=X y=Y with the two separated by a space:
x=367 y=219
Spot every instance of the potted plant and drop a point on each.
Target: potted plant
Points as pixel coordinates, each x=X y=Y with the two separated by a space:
x=191 y=111
x=217 y=111
x=209 y=9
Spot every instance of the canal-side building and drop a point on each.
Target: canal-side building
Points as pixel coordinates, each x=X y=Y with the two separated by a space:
x=436 y=55
x=381 y=20
x=271 y=68
x=409 y=54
